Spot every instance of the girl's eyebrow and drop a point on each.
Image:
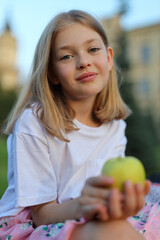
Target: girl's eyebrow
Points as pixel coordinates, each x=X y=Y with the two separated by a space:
x=69 y=46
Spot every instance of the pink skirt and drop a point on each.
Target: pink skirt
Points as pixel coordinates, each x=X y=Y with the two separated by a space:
x=147 y=221
x=20 y=227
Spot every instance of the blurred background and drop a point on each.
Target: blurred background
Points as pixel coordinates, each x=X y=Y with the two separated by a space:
x=133 y=29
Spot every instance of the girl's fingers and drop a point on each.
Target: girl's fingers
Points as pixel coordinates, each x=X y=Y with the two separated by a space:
x=97 y=187
x=91 y=211
x=103 y=214
x=140 y=196
x=114 y=204
x=95 y=192
x=147 y=187
x=100 y=181
x=85 y=200
x=130 y=199
x=95 y=211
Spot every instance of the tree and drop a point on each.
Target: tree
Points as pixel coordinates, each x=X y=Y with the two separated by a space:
x=140 y=130
x=7 y=99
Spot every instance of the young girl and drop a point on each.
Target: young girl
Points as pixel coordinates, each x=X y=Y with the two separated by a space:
x=65 y=125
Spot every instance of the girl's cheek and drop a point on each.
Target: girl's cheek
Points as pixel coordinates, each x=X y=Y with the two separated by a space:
x=68 y=69
x=101 y=61
x=65 y=73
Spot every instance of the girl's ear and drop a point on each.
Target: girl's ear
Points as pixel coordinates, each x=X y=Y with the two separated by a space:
x=110 y=57
x=53 y=79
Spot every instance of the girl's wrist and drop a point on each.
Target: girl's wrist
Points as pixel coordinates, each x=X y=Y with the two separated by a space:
x=76 y=208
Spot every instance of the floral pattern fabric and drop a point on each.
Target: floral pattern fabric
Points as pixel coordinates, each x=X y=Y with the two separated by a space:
x=147 y=221
x=20 y=227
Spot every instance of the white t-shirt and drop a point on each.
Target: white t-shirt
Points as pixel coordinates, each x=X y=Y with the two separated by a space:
x=41 y=168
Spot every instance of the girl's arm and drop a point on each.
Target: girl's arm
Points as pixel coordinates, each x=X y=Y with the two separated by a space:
x=52 y=212
x=95 y=202
x=91 y=203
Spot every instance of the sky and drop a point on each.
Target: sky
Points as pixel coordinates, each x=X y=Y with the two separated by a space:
x=29 y=18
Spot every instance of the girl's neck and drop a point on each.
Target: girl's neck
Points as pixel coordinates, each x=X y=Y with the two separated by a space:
x=89 y=122
x=84 y=113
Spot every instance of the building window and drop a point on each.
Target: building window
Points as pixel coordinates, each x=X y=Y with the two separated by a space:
x=143 y=87
x=145 y=54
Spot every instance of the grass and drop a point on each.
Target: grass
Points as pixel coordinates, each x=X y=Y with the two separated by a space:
x=3 y=166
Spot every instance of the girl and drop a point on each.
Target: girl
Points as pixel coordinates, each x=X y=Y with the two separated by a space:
x=65 y=125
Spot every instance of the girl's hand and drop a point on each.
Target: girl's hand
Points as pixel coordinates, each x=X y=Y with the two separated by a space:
x=93 y=200
x=134 y=198
x=98 y=202
x=130 y=202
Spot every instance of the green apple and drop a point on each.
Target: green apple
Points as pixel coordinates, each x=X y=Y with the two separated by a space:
x=122 y=169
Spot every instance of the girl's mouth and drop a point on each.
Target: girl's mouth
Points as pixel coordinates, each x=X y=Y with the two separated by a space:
x=87 y=77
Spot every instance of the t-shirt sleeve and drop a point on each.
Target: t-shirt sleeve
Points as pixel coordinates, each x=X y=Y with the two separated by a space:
x=35 y=181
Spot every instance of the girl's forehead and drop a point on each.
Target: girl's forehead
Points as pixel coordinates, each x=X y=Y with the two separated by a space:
x=76 y=32
x=79 y=27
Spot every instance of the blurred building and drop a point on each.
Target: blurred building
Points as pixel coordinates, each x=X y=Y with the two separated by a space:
x=144 y=57
x=8 y=53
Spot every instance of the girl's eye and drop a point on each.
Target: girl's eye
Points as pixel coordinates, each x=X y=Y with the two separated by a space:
x=92 y=50
x=66 y=57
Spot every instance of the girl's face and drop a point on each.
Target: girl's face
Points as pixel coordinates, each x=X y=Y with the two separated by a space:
x=81 y=62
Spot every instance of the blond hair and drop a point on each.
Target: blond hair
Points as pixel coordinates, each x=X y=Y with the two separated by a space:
x=52 y=108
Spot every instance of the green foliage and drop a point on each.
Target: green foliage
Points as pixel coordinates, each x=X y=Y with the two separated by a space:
x=158 y=155
x=140 y=132
x=7 y=99
x=3 y=166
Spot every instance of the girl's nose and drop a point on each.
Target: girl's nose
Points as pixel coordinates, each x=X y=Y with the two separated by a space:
x=83 y=62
